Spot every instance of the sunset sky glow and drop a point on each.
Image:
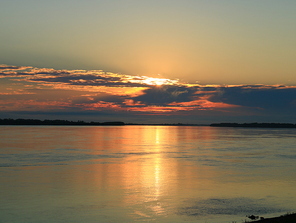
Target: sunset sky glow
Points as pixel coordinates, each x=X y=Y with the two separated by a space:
x=96 y=95
x=165 y=61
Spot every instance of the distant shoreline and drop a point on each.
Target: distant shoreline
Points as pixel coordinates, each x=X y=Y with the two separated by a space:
x=54 y=122
x=79 y=123
x=46 y=122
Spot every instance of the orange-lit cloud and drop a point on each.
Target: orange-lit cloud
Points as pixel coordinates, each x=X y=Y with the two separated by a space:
x=203 y=103
x=34 y=89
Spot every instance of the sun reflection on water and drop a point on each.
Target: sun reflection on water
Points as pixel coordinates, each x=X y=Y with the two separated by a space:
x=148 y=172
x=153 y=172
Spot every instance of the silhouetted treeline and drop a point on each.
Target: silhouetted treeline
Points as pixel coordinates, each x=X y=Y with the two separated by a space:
x=255 y=125
x=52 y=122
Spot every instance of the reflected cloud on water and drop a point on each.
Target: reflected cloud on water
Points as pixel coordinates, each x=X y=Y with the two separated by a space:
x=229 y=206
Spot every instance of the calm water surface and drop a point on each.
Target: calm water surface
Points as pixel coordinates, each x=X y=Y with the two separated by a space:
x=145 y=173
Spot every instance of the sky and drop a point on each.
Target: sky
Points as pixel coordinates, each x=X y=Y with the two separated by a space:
x=165 y=61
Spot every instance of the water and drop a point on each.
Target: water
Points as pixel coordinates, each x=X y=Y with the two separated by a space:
x=145 y=173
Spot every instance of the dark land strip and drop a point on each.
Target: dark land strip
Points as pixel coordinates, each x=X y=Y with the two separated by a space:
x=53 y=122
x=288 y=218
x=9 y=121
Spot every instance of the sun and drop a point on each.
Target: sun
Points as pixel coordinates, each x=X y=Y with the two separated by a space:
x=154 y=81
x=157 y=81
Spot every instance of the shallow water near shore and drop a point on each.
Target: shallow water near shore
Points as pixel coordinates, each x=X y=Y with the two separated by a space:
x=145 y=173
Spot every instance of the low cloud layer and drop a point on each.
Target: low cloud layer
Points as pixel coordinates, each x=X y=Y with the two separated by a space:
x=28 y=89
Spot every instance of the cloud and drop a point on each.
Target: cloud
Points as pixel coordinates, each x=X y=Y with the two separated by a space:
x=36 y=89
x=86 y=78
x=257 y=96
x=95 y=98
x=5 y=67
x=166 y=94
x=81 y=77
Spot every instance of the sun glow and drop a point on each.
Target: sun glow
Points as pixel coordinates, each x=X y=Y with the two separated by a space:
x=153 y=81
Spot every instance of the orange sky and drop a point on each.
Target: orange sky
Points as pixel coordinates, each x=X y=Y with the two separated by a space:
x=196 y=41
x=191 y=61
x=100 y=96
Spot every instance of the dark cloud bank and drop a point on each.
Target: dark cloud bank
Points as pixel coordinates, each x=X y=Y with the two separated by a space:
x=199 y=103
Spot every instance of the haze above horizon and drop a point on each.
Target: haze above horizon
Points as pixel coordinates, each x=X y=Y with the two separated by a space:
x=209 y=42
